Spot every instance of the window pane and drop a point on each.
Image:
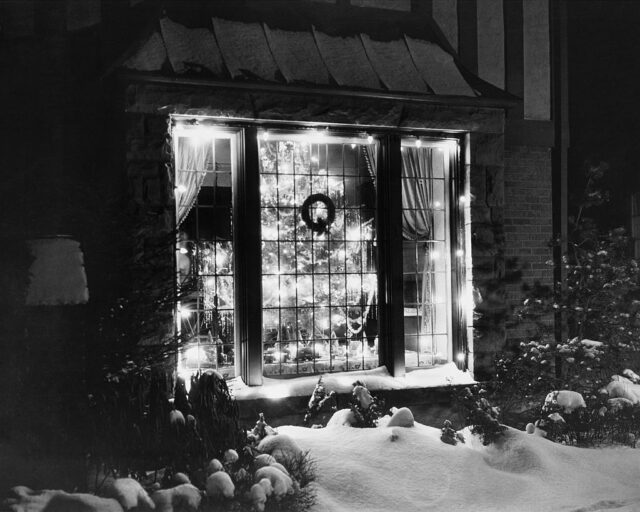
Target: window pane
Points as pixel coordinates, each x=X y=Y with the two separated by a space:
x=204 y=253
x=426 y=255
x=320 y=276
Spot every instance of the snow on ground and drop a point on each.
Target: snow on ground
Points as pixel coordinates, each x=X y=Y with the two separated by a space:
x=374 y=380
x=364 y=470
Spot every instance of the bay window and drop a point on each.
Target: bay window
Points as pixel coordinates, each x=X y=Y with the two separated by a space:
x=284 y=251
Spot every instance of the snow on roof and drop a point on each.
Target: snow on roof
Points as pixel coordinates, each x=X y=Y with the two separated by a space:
x=393 y=63
x=364 y=470
x=244 y=48
x=187 y=47
x=57 y=275
x=297 y=56
x=438 y=68
x=253 y=50
x=347 y=61
x=376 y=379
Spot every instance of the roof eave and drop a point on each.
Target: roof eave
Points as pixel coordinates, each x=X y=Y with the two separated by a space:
x=505 y=102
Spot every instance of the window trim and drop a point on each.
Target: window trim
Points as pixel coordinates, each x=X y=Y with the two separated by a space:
x=248 y=256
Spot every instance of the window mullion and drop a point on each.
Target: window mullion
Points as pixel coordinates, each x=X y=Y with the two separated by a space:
x=390 y=282
x=248 y=257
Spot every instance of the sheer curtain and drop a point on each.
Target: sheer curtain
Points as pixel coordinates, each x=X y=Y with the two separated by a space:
x=417 y=219
x=192 y=158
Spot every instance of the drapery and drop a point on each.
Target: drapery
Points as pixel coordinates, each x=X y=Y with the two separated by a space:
x=417 y=221
x=417 y=195
x=192 y=157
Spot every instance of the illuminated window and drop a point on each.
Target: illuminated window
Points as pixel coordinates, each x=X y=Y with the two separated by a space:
x=319 y=278
x=429 y=252
x=285 y=263
x=204 y=252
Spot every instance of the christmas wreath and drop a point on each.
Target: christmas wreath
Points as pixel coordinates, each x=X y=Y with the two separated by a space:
x=319 y=225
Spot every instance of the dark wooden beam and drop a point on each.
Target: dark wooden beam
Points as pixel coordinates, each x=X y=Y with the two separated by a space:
x=248 y=257
x=390 y=293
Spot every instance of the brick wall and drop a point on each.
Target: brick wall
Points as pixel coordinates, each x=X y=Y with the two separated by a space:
x=527 y=222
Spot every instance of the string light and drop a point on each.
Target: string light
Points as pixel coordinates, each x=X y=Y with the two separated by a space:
x=459 y=253
x=418 y=143
x=460 y=357
x=370 y=139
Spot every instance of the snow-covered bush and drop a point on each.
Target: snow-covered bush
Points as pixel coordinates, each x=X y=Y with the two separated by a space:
x=599 y=299
x=366 y=409
x=482 y=418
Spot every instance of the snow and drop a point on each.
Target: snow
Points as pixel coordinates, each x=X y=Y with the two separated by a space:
x=57 y=275
x=410 y=469
x=375 y=380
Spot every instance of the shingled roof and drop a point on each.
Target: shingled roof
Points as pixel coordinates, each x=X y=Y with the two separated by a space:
x=352 y=56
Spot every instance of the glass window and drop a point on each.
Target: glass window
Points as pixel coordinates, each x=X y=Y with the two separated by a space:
x=427 y=283
x=319 y=279
x=204 y=252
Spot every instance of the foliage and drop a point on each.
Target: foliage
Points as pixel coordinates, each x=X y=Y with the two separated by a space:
x=481 y=416
x=367 y=409
x=134 y=430
x=321 y=404
x=597 y=299
x=599 y=423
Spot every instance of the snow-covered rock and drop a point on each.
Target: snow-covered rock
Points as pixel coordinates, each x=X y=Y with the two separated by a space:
x=279 y=466
x=183 y=498
x=230 y=456
x=343 y=417
x=530 y=428
x=265 y=483
x=556 y=417
x=616 y=404
x=128 y=492
x=567 y=400
x=262 y=460
x=24 y=499
x=632 y=376
x=402 y=417
x=282 y=447
x=176 y=419
x=281 y=483
x=219 y=485
x=257 y=497
x=624 y=389
x=214 y=466
x=591 y=343
x=180 y=478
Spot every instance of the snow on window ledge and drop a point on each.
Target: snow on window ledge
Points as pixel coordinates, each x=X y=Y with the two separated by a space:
x=376 y=380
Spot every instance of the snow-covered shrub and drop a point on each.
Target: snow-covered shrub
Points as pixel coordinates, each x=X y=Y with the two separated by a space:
x=482 y=418
x=601 y=421
x=366 y=409
x=322 y=404
x=599 y=299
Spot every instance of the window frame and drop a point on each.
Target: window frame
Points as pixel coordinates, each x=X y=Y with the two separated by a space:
x=247 y=252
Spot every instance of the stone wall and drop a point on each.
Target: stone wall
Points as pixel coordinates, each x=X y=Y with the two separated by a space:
x=527 y=223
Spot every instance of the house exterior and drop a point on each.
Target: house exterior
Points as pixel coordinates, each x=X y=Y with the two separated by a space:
x=350 y=183
x=346 y=194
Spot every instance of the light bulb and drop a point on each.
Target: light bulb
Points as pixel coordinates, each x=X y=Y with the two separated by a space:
x=463 y=199
x=370 y=139
x=265 y=135
x=353 y=146
x=181 y=189
x=418 y=143
x=460 y=357
x=459 y=253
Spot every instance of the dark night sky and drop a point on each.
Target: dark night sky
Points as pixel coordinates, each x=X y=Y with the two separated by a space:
x=604 y=91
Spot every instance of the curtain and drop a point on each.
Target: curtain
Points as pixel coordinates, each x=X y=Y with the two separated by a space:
x=417 y=221
x=192 y=158
x=417 y=196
